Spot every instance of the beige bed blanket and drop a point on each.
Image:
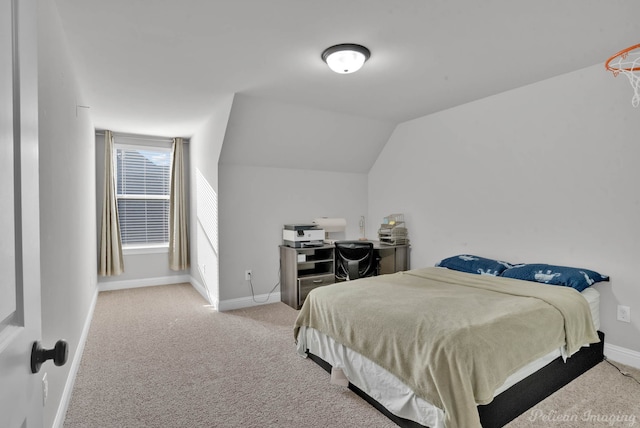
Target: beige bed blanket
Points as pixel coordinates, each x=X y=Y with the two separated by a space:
x=452 y=337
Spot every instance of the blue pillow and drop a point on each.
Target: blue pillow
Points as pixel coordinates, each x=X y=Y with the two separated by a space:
x=474 y=264
x=556 y=275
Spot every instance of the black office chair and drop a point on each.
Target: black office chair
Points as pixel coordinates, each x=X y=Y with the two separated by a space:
x=355 y=259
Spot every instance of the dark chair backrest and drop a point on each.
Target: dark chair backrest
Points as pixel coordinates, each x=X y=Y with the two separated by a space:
x=355 y=259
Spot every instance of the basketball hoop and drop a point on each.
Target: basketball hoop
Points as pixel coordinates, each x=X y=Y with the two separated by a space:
x=627 y=61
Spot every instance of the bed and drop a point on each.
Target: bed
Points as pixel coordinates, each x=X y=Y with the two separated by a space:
x=437 y=347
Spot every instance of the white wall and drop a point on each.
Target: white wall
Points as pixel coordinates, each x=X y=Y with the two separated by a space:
x=281 y=163
x=205 y=147
x=255 y=204
x=545 y=173
x=252 y=203
x=67 y=205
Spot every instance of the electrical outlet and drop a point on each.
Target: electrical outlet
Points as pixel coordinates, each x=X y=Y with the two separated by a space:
x=624 y=313
x=247 y=275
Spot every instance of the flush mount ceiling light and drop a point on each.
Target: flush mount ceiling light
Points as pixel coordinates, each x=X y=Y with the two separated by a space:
x=345 y=58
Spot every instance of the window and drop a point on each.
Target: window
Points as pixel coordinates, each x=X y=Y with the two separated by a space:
x=143 y=187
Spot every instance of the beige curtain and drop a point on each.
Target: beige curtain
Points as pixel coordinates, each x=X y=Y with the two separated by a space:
x=178 y=221
x=111 y=261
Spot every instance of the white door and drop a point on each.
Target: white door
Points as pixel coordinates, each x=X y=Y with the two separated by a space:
x=20 y=389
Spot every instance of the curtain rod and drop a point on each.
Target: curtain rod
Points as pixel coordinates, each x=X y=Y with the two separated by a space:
x=140 y=137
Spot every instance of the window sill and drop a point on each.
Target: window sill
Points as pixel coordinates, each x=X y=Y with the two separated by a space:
x=155 y=249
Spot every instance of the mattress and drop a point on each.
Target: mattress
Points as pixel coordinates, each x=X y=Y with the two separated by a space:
x=392 y=393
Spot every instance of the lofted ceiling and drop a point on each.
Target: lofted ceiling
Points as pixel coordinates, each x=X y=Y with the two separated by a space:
x=157 y=66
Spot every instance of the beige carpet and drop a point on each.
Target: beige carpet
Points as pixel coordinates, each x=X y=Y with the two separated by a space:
x=159 y=357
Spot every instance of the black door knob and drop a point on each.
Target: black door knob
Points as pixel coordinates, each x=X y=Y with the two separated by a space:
x=39 y=355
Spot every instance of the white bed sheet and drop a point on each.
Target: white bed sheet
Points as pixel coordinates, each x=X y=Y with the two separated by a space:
x=389 y=391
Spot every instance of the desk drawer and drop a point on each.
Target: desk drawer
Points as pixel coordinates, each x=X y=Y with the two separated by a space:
x=307 y=284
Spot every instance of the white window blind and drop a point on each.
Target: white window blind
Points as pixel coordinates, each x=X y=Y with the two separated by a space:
x=143 y=187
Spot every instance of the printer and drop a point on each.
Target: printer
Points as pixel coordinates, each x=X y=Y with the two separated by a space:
x=302 y=235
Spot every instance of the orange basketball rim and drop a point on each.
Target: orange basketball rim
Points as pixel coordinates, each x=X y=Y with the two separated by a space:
x=621 y=62
x=627 y=62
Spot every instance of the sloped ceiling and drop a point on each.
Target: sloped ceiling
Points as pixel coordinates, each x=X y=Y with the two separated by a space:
x=156 y=66
x=267 y=133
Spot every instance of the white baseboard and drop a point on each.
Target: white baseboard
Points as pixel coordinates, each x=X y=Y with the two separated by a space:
x=224 y=305
x=75 y=365
x=144 y=282
x=245 y=302
x=622 y=355
x=202 y=289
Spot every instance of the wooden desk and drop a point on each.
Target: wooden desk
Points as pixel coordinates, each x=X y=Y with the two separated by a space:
x=303 y=269
x=393 y=258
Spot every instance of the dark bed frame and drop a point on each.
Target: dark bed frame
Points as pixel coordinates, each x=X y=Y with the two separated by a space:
x=520 y=397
